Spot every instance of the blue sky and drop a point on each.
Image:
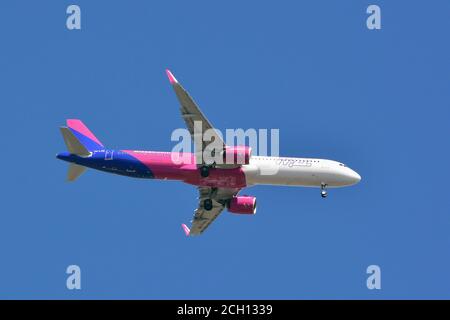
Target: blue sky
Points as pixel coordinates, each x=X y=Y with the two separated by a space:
x=375 y=100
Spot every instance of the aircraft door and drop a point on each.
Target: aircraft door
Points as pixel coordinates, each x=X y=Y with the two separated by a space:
x=109 y=154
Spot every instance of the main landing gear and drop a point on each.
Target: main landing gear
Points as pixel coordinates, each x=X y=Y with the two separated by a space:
x=323 y=190
x=207 y=204
x=204 y=171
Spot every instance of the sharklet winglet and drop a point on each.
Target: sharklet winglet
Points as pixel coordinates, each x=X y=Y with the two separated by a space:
x=171 y=77
x=186 y=230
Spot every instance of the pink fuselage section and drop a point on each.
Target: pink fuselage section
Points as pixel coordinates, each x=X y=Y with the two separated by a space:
x=165 y=166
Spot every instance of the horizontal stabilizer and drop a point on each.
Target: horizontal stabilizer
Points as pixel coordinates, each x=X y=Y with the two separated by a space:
x=75 y=171
x=73 y=144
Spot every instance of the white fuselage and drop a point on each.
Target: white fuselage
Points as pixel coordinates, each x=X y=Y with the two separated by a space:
x=305 y=172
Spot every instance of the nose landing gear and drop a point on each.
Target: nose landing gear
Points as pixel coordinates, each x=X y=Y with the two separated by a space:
x=323 y=190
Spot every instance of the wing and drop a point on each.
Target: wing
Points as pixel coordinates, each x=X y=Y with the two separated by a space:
x=191 y=114
x=202 y=217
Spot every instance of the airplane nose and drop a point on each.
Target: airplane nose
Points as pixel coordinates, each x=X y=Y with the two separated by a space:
x=354 y=176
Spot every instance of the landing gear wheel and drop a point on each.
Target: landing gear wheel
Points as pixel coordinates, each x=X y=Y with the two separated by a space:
x=207 y=204
x=204 y=171
x=323 y=191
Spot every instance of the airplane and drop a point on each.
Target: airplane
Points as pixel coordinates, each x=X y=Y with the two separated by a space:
x=218 y=184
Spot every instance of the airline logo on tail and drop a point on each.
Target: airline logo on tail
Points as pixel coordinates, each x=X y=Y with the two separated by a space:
x=84 y=135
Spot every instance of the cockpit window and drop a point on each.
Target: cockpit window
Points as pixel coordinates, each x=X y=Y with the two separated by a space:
x=342 y=165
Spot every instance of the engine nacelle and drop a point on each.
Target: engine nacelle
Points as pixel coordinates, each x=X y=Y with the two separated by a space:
x=242 y=205
x=237 y=155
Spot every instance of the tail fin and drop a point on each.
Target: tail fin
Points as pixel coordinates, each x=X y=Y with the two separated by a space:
x=73 y=144
x=79 y=141
x=84 y=135
x=75 y=171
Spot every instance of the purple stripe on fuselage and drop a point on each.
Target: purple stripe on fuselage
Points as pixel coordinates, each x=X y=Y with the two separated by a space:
x=111 y=161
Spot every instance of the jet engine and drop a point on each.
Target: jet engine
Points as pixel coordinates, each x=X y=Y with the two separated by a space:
x=242 y=205
x=237 y=155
